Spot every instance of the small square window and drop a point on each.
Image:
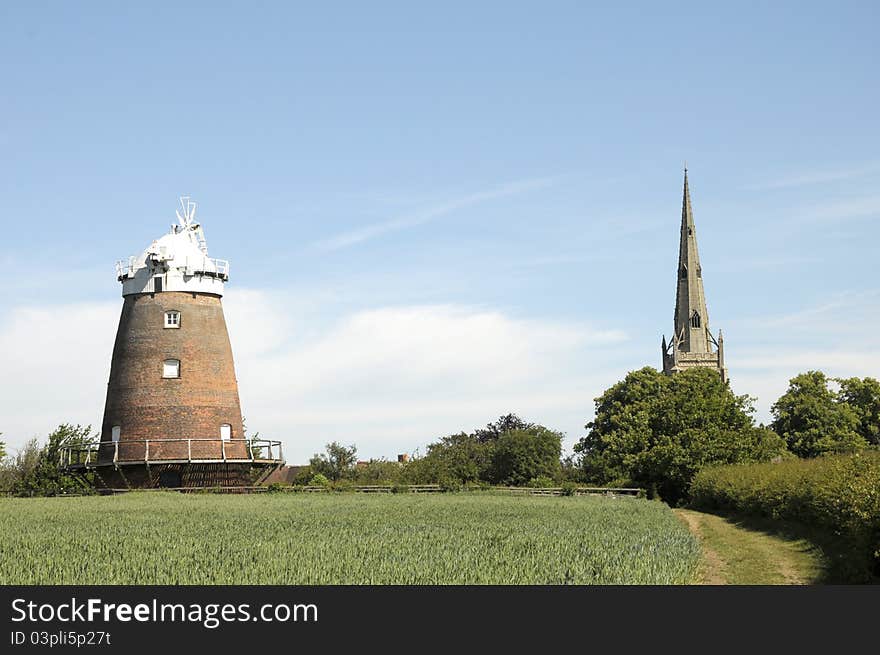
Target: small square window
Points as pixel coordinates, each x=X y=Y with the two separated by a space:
x=172 y=319
x=171 y=368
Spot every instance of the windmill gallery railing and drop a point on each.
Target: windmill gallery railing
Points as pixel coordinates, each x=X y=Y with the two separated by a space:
x=209 y=266
x=171 y=451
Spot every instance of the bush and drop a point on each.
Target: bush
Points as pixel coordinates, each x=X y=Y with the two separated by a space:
x=302 y=475
x=379 y=471
x=276 y=487
x=568 y=488
x=400 y=489
x=837 y=495
x=508 y=451
x=450 y=484
x=542 y=482
x=343 y=485
x=319 y=480
x=35 y=470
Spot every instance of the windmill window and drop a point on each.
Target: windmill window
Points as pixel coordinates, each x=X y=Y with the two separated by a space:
x=172 y=319
x=695 y=320
x=115 y=432
x=171 y=368
x=225 y=432
x=683 y=272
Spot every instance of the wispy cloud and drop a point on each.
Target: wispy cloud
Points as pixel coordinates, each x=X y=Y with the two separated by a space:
x=836 y=335
x=814 y=177
x=427 y=214
x=852 y=208
x=809 y=317
x=727 y=263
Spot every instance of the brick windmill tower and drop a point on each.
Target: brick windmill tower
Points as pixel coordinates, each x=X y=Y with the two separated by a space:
x=172 y=417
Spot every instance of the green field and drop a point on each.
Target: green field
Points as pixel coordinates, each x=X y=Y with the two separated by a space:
x=168 y=538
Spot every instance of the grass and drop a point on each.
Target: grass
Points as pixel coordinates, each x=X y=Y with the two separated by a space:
x=167 y=538
x=741 y=552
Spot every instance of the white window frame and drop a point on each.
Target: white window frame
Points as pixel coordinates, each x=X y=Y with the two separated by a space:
x=225 y=432
x=115 y=432
x=171 y=369
x=172 y=318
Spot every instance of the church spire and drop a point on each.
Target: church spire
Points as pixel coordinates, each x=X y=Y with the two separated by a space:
x=691 y=315
x=692 y=343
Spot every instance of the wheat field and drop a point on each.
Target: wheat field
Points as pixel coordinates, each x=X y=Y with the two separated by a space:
x=456 y=538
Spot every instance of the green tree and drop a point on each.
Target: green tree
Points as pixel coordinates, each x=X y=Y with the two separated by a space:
x=302 y=475
x=656 y=431
x=863 y=396
x=473 y=457
x=458 y=457
x=336 y=463
x=814 y=419
x=380 y=471
x=524 y=454
x=38 y=471
x=7 y=469
x=504 y=424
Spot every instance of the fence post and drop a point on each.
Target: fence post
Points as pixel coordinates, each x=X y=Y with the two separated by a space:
x=147 y=451
x=189 y=453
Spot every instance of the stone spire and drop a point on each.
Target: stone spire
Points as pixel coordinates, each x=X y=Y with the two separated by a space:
x=691 y=315
x=692 y=343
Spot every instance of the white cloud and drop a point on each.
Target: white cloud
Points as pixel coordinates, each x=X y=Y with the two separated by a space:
x=389 y=379
x=56 y=365
x=394 y=378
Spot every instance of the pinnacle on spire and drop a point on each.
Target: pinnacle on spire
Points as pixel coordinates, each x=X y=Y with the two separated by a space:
x=687 y=212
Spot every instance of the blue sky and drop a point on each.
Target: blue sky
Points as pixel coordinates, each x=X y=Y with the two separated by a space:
x=436 y=215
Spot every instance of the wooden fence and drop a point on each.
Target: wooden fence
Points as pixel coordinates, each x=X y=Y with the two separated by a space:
x=413 y=488
x=379 y=489
x=577 y=491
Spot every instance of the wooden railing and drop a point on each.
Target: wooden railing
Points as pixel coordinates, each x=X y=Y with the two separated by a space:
x=577 y=491
x=137 y=451
x=387 y=488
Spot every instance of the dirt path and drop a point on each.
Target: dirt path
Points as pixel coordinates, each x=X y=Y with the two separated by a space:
x=713 y=565
x=733 y=554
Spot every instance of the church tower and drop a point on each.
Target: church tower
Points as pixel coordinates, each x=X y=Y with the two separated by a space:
x=692 y=343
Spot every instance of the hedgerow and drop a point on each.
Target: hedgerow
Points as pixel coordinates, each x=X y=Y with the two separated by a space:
x=838 y=496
